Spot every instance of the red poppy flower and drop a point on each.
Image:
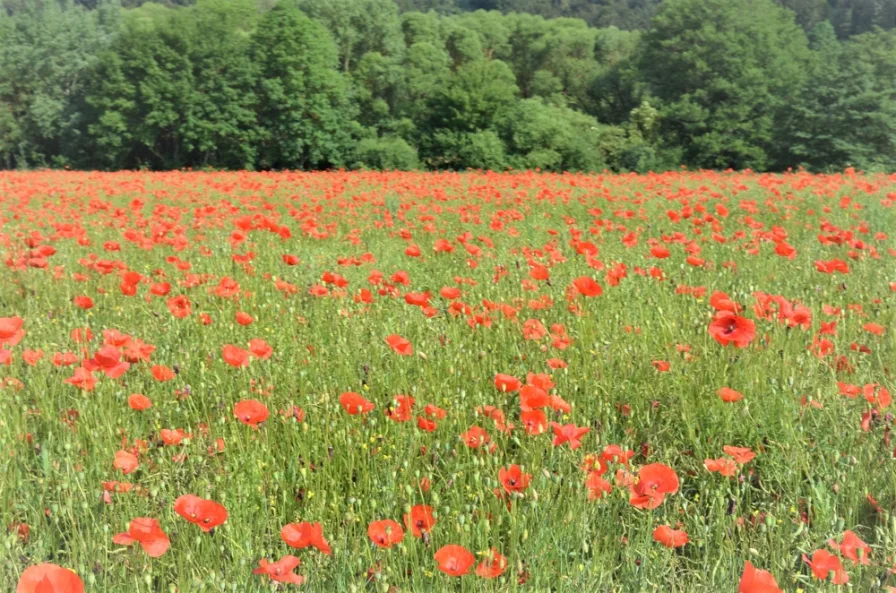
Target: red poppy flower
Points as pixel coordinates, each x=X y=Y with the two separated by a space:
x=82 y=379
x=853 y=548
x=587 y=286
x=282 y=570
x=729 y=395
x=32 y=357
x=420 y=520
x=513 y=479
x=454 y=560
x=11 y=332
x=62 y=359
x=741 y=455
x=179 y=306
x=533 y=329
x=560 y=404
x=723 y=466
x=492 y=566
x=83 y=302
x=874 y=328
x=539 y=272
x=234 y=356
x=108 y=361
x=49 y=578
x=138 y=351
x=616 y=454
x=671 y=538
x=207 y=514
x=754 y=580
x=80 y=335
x=801 y=316
x=532 y=398
x=400 y=345
x=173 y=437
x=243 y=318
x=303 y=535
x=160 y=288
x=162 y=373
x=148 y=533
x=592 y=462
x=125 y=462
x=251 y=412
x=534 y=421
x=540 y=380
x=475 y=437
x=655 y=481
x=434 y=411
x=824 y=564
x=354 y=403
x=417 y=299
x=426 y=424
x=569 y=433
x=728 y=328
x=385 y=533
x=873 y=393
x=401 y=408
x=834 y=265
x=506 y=383
x=597 y=486
x=720 y=301
x=260 y=349
x=227 y=288
x=450 y=292
x=659 y=252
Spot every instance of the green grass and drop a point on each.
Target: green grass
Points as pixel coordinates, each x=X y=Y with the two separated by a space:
x=809 y=482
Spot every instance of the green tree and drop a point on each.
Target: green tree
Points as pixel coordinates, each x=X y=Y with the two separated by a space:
x=419 y=27
x=46 y=52
x=388 y=152
x=358 y=27
x=618 y=87
x=724 y=70
x=462 y=111
x=141 y=96
x=378 y=88
x=846 y=114
x=550 y=137
x=304 y=114
x=808 y=13
x=221 y=129
x=427 y=69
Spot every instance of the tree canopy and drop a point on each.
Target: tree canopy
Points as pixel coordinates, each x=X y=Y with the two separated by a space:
x=573 y=85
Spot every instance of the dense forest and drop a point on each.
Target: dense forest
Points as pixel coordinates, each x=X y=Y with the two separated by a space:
x=448 y=84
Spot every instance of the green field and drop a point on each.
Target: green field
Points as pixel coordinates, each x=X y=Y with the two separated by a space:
x=428 y=349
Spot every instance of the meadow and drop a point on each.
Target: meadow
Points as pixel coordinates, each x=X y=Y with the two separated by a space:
x=407 y=382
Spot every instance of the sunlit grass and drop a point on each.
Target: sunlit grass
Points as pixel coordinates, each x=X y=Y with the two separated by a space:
x=819 y=470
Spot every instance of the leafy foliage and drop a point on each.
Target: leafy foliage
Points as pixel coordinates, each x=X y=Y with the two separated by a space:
x=308 y=84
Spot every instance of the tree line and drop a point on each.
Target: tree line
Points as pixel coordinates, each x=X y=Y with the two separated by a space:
x=311 y=84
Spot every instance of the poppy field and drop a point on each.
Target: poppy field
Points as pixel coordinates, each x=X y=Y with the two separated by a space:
x=403 y=382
